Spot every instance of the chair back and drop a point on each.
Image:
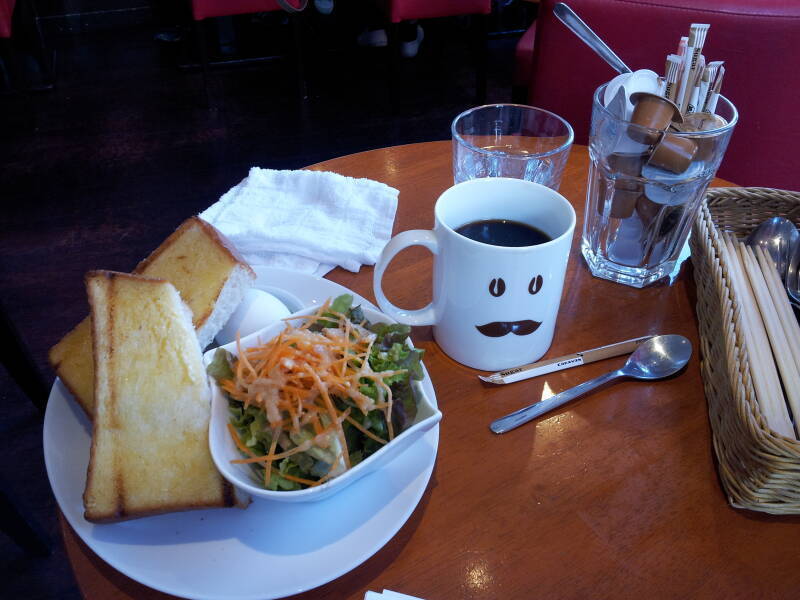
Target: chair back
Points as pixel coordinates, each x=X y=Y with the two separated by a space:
x=405 y=10
x=204 y=9
x=759 y=42
x=6 y=11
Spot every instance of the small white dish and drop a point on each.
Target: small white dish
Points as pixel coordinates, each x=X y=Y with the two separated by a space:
x=257 y=309
x=289 y=300
x=223 y=449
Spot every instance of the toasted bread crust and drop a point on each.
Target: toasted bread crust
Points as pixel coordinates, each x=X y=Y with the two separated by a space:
x=149 y=451
x=121 y=514
x=100 y=322
x=209 y=229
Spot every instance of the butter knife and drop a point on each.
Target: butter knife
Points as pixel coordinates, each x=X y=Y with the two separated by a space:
x=564 y=362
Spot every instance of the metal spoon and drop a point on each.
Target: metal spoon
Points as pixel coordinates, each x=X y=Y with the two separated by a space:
x=575 y=24
x=777 y=236
x=659 y=357
x=793 y=276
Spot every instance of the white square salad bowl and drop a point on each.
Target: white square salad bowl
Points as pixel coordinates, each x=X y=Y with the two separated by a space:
x=224 y=450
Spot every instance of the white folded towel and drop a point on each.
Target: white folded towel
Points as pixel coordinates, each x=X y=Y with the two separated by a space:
x=307 y=221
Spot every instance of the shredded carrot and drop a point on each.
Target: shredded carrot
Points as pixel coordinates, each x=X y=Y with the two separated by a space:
x=268 y=466
x=268 y=458
x=237 y=440
x=293 y=379
x=365 y=431
x=308 y=482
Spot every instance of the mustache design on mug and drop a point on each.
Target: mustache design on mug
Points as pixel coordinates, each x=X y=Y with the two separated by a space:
x=501 y=328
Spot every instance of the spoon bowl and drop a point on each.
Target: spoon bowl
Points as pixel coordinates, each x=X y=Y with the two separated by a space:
x=778 y=237
x=657 y=358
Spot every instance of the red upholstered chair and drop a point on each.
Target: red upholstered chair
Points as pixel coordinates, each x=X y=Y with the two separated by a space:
x=6 y=10
x=405 y=10
x=758 y=40
x=408 y=10
x=206 y=9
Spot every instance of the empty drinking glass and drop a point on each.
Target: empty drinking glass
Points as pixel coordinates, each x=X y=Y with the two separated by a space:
x=510 y=140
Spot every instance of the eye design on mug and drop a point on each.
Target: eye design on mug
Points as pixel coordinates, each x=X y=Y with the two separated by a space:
x=497 y=287
x=535 y=285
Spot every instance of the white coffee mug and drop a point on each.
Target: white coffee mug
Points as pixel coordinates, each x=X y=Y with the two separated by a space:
x=494 y=307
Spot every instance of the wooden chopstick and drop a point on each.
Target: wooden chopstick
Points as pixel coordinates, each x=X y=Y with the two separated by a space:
x=789 y=323
x=763 y=372
x=781 y=351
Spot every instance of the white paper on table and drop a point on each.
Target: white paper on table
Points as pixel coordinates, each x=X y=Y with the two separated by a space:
x=389 y=595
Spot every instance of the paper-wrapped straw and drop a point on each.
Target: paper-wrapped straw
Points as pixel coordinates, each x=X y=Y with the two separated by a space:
x=673 y=69
x=697 y=37
x=709 y=77
x=682 y=46
x=699 y=101
x=701 y=66
x=712 y=102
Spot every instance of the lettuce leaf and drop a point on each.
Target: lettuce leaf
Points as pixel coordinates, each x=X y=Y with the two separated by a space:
x=341 y=304
x=220 y=366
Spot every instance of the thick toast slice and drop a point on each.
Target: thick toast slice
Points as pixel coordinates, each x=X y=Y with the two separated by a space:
x=211 y=277
x=152 y=404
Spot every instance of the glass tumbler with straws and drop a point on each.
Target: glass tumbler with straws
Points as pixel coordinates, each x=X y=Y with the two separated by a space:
x=645 y=188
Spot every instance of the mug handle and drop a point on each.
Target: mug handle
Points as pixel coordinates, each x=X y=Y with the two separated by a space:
x=414 y=237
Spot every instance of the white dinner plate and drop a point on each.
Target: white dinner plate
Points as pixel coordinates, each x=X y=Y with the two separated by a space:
x=269 y=550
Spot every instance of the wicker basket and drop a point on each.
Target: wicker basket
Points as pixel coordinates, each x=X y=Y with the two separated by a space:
x=759 y=469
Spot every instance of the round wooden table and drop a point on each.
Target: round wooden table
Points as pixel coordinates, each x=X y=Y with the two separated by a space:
x=613 y=496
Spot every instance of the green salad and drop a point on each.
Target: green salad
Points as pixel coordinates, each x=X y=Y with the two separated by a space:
x=319 y=397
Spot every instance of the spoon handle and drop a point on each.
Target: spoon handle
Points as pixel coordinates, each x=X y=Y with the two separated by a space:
x=575 y=24
x=523 y=415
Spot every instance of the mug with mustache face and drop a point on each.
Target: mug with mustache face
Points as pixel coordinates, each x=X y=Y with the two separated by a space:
x=494 y=306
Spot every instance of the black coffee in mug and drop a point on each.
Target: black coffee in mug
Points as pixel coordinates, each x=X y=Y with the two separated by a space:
x=503 y=232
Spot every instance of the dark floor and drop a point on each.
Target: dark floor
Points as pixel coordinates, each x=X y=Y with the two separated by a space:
x=97 y=171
